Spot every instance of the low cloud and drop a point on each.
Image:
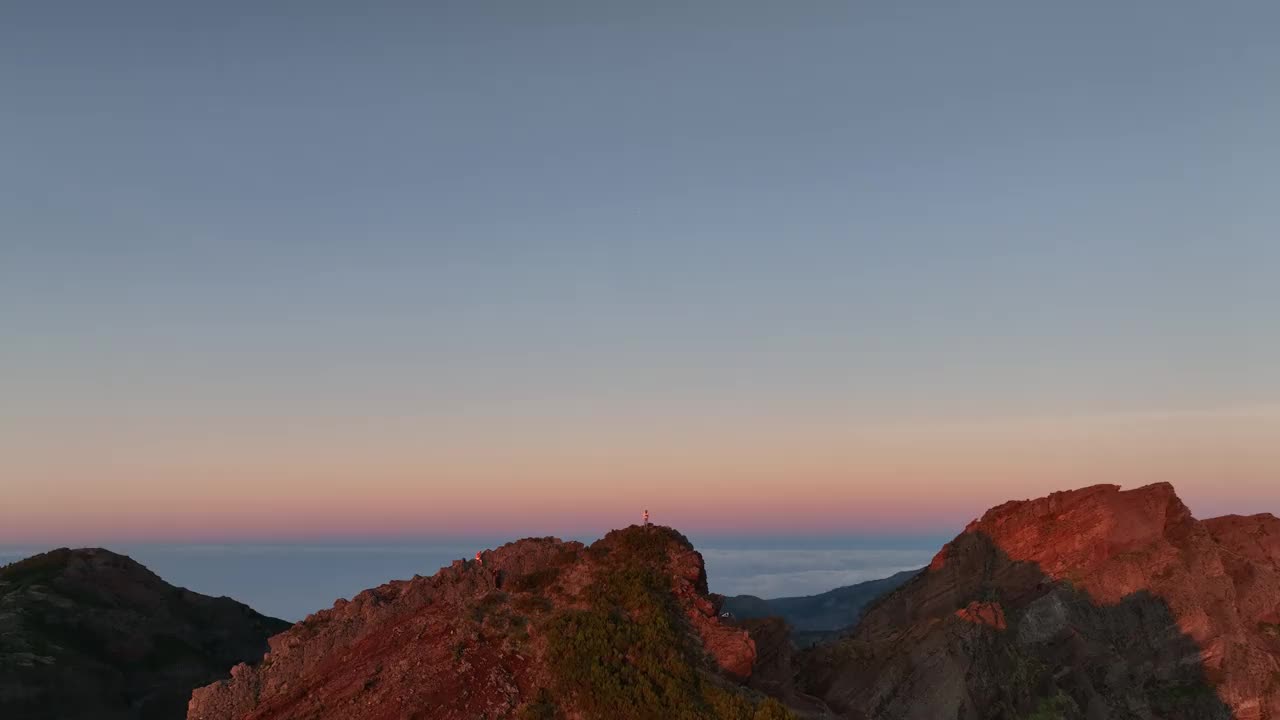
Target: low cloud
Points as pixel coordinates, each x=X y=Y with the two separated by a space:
x=291 y=581
x=784 y=573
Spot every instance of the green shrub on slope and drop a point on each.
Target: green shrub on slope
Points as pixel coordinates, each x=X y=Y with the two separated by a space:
x=629 y=656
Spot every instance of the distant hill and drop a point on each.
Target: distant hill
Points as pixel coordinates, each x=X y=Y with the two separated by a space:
x=89 y=634
x=813 y=616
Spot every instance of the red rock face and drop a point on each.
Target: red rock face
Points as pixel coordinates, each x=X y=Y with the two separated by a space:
x=983 y=613
x=1098 y=602
x=1094 y=603
x=1219 y=578
x=462 y=644
x=732 y=647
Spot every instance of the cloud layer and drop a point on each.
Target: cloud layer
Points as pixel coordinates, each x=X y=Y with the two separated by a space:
x=292 y=581
x=786 y=572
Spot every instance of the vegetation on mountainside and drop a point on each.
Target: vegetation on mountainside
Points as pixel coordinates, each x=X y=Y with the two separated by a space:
x=88 y=633
x=1059 y=706
x=629 y=656
x=35 y=570
x=1179 y=698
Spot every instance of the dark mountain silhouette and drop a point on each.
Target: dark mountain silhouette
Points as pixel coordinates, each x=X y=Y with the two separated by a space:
x=89 y=634
x=814 y=617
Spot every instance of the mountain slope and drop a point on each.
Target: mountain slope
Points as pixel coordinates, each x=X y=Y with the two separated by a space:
x=1094 y=603
x=825 y=612
x=538 y=628
x=92 y=634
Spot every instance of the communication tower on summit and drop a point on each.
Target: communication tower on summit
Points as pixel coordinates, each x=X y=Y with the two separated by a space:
x=645 y=517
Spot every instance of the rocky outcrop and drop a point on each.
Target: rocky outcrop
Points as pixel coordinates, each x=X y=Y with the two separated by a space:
x=731 y=647
x=538 y=628
x=1095 y=603
x=89 y=634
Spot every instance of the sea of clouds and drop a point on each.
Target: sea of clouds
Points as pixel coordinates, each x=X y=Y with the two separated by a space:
x=771 y=573
x=290 y=581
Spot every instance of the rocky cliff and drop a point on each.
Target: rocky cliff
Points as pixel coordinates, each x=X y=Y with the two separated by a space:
x=1090 y=604
x=89 y=634
x=538 y=628
x=1094 y=603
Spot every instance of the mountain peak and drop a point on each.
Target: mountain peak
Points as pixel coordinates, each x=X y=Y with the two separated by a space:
x=1069 y=533
x=1092 y=602
x=535 y=628
x=63 y=560
x=89 y=633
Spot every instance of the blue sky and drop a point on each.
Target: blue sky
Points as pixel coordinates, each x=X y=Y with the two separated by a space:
x=478 y=230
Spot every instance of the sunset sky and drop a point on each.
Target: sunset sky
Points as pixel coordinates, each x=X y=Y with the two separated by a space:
x=484 y=268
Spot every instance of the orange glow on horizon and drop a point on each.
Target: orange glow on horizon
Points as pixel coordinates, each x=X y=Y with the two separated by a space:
x=852 y=480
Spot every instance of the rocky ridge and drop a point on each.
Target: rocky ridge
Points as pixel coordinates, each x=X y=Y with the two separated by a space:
x=538 y=628
x=1093 y=603
x=1082 y=605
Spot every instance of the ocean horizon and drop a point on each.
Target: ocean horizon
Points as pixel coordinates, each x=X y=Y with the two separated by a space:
x=291 y=580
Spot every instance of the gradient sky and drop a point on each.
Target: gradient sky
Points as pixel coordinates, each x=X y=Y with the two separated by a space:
x=473 y=267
